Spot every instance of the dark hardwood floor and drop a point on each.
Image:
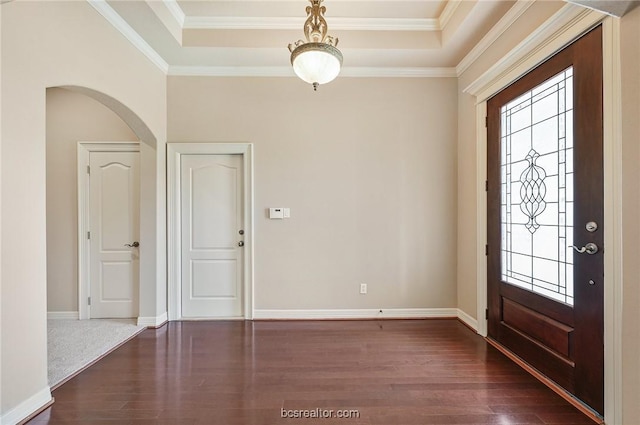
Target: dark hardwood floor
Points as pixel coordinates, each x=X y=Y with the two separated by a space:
x=390 y=372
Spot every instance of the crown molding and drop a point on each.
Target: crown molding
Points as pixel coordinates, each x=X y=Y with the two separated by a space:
x=371 y=24
x=129 y=33
x=280 y=71
x=494 y=33
x=448 y=12
x=241 y=23
x=397 y=72
x=539 y=40
x=231 y=71
x=176 y=11
x=295 y=23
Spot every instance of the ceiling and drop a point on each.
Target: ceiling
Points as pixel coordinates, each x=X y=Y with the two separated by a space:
x=250 y=37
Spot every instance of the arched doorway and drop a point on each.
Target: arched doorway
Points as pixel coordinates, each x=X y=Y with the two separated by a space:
x=80 y=114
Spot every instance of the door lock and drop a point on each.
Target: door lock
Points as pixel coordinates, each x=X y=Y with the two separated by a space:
x=591 y=226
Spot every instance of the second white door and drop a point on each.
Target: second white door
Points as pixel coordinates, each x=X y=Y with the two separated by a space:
x=114 y=224
x=211 y=199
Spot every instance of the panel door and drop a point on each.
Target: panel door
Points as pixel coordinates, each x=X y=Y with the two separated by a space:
x=211 y=191
x=545 y=196
x=114 y=204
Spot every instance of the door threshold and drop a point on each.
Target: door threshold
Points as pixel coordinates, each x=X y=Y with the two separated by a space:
x=570 y=398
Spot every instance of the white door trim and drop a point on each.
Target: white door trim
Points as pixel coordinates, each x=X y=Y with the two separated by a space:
x=565 y=26
x=174 y=152
x=84 y=150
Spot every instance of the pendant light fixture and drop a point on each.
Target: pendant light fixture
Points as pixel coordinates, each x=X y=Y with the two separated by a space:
x=317 y=60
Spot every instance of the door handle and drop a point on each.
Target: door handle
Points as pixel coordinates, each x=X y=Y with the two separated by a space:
x=241 y=243
x=589 y=248
x=133 y=245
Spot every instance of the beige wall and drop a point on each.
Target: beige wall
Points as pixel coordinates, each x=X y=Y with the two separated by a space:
x=467 y=242
x=368 y=168
x=71 y=117
x=630 y=61
x=50 y=44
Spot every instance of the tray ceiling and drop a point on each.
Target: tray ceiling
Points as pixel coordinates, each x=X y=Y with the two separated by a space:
x=250 y=37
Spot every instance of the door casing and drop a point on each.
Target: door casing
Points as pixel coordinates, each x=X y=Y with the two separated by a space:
x=174 y=153
x=559 y=31
x=84 y=151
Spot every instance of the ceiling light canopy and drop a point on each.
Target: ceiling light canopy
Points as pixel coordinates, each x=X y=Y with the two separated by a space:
x=317 y=60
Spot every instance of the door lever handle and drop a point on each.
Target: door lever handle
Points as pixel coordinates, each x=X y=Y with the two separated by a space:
x=589 y=248
x=133 y=245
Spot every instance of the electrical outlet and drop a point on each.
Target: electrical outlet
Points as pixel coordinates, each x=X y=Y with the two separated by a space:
x=363 y=288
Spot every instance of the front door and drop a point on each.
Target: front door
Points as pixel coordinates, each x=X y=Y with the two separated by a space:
x=114 y=203
x=211 y=199
x=545 y=219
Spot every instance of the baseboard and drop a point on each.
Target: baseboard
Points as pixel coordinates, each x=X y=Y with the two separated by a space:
x=153 y=322
x=373 y=313
x=468 y=320
x=66 y=315
x=27 y=408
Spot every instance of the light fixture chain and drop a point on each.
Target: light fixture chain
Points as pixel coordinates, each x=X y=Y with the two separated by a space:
x=315 y=27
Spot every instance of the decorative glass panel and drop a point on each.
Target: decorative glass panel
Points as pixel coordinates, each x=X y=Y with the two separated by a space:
x=536 y=172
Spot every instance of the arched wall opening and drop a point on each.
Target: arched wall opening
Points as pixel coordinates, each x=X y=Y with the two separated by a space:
x=76 y=114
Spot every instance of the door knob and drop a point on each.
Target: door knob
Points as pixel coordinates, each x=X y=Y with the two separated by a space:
x=133 y=245
x=589 y=248
x=241 y=243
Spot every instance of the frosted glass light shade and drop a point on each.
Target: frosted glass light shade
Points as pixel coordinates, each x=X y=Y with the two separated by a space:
x=316 y=62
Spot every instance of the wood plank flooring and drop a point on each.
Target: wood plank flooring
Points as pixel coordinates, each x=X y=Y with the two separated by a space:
x=391 y=372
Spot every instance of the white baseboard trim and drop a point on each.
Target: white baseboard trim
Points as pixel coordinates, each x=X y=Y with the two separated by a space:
x=65 y=315
x=153 y=321
x=372 y=313
x=28 y=407
x=468 y=320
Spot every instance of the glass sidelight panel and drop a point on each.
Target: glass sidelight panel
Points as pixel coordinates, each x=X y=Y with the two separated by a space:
x=536 y=177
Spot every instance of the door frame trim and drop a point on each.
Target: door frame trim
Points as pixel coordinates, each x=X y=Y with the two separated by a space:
x=84 y=150
x=560 y=30
x=174 y=153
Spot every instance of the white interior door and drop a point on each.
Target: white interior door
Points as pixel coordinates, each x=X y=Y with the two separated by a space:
x=114 y=204
x=211 y=199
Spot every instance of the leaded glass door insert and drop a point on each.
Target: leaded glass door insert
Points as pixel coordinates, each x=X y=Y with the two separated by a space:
x=536 y=189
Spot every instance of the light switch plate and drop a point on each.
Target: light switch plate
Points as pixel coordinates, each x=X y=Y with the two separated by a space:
x=287 y=212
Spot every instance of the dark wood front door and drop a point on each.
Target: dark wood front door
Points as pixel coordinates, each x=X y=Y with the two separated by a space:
x=545 y=196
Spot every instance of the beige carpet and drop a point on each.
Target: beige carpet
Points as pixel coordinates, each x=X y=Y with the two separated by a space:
x=74 y=344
